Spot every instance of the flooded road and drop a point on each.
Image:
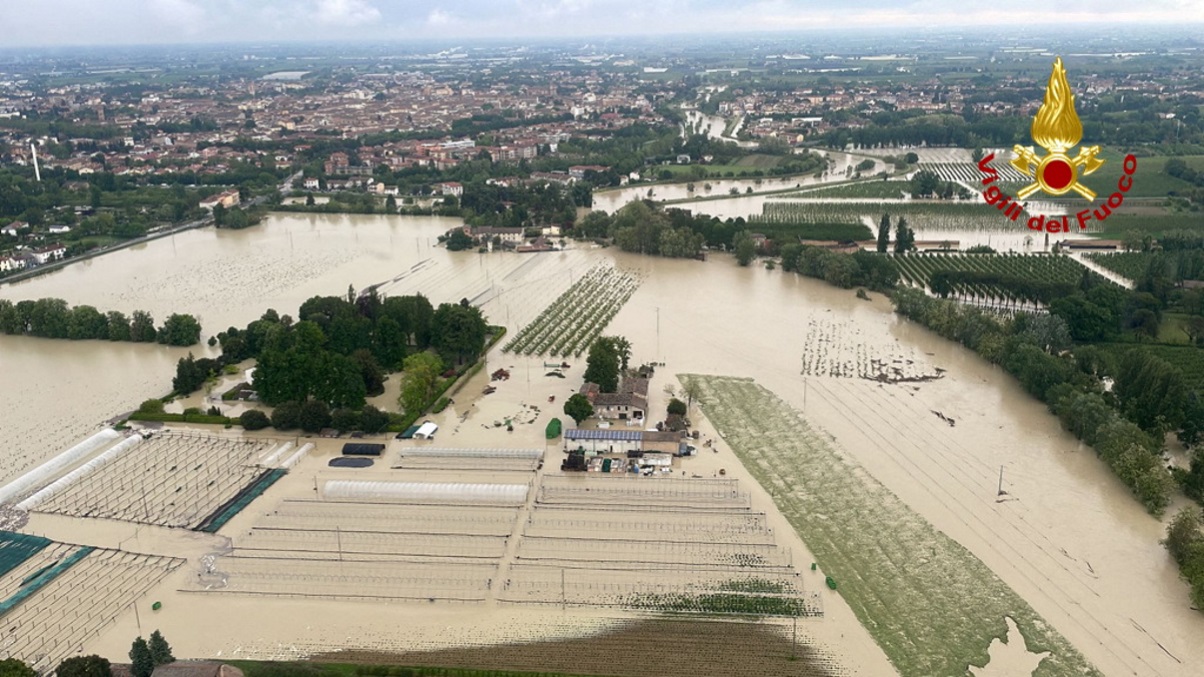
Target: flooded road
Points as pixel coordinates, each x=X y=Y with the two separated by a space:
x=1067 y=536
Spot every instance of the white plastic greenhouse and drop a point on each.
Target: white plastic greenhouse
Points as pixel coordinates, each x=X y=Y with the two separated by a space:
x=449 y=492
x=56 y=465
x=89 y=467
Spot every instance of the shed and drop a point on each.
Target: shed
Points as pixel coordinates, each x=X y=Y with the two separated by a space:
x=603 y=440
x=408 y=433
x=426 y=431
x=360 y=449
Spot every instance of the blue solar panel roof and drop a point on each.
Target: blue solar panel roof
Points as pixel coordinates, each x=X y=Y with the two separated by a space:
x=619 y=435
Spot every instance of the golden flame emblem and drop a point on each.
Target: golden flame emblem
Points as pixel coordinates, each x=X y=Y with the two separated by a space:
x=1057 y=129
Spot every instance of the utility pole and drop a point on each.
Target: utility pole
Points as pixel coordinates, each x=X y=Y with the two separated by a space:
x=658 y=332
x=563 y=601
x=338 y=534
x=1001 y=491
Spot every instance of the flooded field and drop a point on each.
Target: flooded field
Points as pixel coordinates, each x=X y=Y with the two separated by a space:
x=1100 y=580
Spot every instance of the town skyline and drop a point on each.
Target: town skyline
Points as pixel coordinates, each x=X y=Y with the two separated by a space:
x=142 y=22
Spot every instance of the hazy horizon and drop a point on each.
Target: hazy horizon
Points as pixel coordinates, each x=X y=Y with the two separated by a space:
x=67 y=23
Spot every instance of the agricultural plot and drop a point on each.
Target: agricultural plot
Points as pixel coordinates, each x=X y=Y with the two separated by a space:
x=595 y=542
x=840 y=349
x=83 y=599
x=368 y=550
x=971 y=216
x=1188 y=360
x=864 y=189
x=930 y=604
x=578 y=316
x=970 y=174
x=436 y=458
x=636 y=649
x=917 y=270
x=173 y=479
x=1131 y=265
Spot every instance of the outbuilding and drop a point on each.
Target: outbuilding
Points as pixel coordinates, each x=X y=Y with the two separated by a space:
x=426 y=431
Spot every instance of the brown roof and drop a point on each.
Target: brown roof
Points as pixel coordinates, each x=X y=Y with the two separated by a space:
x=620 y=399
x=634 y=384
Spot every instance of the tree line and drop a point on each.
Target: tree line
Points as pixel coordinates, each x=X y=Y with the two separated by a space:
x=53 y=318
x=319 y=369
x=1125 y=426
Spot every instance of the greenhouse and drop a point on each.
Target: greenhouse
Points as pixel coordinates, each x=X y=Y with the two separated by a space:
x=450 y=492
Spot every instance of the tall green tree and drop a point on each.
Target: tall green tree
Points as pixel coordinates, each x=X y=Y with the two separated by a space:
x=623 y=349
x=602 y=365
x=884 y=233
x=578 y=408
x=141 y=658
x=419 y=380
x=11 y=667
x=142 y=327
x=84 y=666
x=458 y=332
x=160 y=650
x=314 y=416
x=905 y=238
x=746 y=249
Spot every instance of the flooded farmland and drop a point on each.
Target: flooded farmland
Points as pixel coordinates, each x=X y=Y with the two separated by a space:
x=1066 y=538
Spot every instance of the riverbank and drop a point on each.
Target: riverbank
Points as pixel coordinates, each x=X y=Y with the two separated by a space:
x=101 y=251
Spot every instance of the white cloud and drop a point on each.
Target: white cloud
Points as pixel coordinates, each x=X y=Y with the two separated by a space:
x=438 y=17
x=179 y=14
x=346 y=12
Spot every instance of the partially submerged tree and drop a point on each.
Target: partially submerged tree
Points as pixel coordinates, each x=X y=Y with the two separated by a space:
x=578 y=407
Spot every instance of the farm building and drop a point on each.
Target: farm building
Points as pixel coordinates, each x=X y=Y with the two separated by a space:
x=604 y=441
x=630 y=403
x=607 y=441
x=426 y=431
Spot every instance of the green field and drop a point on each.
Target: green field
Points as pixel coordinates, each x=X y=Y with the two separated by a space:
x=876 y=188
x=931 y=605
x=967 y=216
x=1187 y=359
x=917 y=269
x=1148 y=181
x=1131 y=265
x=1154 y=225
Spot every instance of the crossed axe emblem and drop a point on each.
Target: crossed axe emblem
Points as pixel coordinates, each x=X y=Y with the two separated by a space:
x=1056 y=173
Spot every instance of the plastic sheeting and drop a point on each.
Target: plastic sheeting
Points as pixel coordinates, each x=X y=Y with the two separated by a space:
x=296 y=458
x=275 y=455
x=54 y=466
x=450 y=492
x=87 y=468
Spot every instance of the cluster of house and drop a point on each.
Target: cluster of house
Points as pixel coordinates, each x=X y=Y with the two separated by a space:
x=23 y=257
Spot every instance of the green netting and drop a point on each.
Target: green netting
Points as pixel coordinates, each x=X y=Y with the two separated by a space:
x=32 y=585
x=235 y=505
x=16 y=548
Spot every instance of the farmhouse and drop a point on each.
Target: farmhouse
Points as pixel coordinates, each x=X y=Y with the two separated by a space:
x=226 y=199
x=8 y=264
x=49 y=253
x=630 y=403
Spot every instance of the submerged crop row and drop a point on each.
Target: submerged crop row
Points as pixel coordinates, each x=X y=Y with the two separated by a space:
x=973 y=215
x=578 y=316
x=931 y=605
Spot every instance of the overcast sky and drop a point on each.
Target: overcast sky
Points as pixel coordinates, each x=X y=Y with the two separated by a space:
x=71 y=22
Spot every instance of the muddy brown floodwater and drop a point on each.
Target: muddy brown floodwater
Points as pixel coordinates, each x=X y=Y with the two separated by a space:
x=1066 y=536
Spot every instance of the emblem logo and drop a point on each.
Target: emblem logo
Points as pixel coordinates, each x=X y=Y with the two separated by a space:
x=1057 y=129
